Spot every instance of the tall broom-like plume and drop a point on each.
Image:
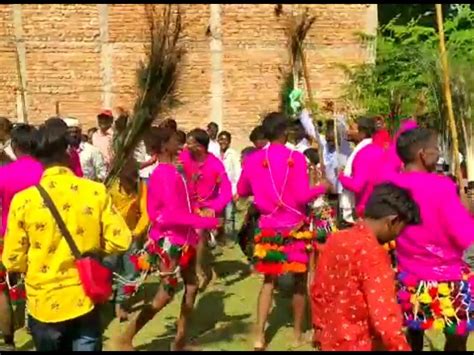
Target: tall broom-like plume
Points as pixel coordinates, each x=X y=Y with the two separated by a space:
x=156 y=78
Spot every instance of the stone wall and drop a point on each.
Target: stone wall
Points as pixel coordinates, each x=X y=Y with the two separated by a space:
x=84 y=56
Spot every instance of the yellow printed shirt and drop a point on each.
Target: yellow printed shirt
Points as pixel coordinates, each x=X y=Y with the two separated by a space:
x=35 y=246
x=132 y=207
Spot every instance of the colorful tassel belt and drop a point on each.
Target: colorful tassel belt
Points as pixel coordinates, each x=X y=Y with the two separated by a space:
x=154 y=254
x=446 y=306
x=277 y=252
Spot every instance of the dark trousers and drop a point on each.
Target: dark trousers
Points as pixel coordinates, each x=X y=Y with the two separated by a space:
x=80 y=334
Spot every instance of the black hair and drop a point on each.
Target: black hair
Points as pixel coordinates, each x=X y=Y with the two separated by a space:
x=257 y=134
x=366 y=125
x=157 y=137
x=23 y=138
x=312 y=155
x=388 y=199
x=52 y=142
x=121 y=123
x=411 y=141
x=6 y=124
x=225 y=134
x=169 y=123
x=213 y=124
x=247 y=151
x=181 y=136
x=92 y=129
x=200 y=136
x=275 y=125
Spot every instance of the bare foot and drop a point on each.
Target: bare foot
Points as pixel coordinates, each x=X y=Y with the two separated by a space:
x=180 y=345
x=259 y=344
x=299 y=341
x=121 y=344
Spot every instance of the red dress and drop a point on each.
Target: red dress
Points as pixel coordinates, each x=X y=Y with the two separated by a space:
x=353 y=300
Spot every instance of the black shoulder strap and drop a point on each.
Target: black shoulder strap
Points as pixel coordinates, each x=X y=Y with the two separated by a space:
x=62 y=226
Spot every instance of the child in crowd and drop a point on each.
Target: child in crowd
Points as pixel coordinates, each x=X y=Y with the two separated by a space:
x=354 y=305
x=129 y=198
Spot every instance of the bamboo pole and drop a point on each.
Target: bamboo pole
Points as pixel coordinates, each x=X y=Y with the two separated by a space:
x=21 y=86
x=447 y=94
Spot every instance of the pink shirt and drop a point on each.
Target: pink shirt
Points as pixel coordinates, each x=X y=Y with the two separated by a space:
x=434 y=250
x=169 y=208
x=104 y=143
x=366 y=170
x=278 y=179
x=391 y=162
x=75 y=162
x=15 y=177
x=207 y=181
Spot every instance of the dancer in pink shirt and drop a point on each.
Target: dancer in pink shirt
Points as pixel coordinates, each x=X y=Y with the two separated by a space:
x=435 y=286
x=15 y=177
x=365 y=165
x=209 y=187
x=277 y=177
x=172 y=242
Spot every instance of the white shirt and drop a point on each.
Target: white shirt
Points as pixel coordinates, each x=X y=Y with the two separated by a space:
x=7 y=149
x=214 y=148
x=141 y=156
x=92 y=162
x=231 y=161
x=303 y=145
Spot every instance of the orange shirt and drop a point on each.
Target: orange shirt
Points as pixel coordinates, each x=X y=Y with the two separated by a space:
x=353 y=299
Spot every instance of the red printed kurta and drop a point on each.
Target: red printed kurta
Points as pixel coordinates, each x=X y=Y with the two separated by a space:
x=353 y=295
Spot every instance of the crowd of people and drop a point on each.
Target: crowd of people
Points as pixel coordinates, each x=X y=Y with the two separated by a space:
x=321 y=202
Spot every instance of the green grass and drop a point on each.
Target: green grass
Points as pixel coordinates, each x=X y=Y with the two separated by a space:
x=223 y=317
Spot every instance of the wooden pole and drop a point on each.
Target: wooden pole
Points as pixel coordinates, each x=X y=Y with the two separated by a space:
x=57 y=109
x=21 y=86
x=447 y=94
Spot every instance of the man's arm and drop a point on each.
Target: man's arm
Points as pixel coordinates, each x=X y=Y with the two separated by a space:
x=116 y=234
x=15 y=250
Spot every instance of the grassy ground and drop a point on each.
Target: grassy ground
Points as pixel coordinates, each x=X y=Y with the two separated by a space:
x=223 y=316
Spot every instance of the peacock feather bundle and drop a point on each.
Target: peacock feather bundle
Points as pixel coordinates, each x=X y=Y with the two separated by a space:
x=156 y=80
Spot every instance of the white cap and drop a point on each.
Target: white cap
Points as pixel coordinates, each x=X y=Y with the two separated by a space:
x=71 y=122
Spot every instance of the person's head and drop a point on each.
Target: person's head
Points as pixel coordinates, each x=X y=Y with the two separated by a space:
x=224 y=139
x=5 y=128
x=379 y=123
x=389 y=209
x=181 y=138
x=105 y=120
x=298 y=131
x=74 y=129
x=128 y=176
x=121 y=124
x=275 y=126
x=52 y=143
x=246 y=152
x=257 y=137
x=169 y=123
x=212 y=130
x=312 y=155
x=419 y=148
x=90 y=133
x=365 y=129
x=197 y=142
x=23 y=140
x=165 y=142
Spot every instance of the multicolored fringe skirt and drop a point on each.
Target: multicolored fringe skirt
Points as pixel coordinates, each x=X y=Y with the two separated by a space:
x=323 y=221
x=162 y=258
x=446 y=306
x=279 y=252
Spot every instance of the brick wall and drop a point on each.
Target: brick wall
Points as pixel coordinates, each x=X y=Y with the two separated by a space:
x=85 y=56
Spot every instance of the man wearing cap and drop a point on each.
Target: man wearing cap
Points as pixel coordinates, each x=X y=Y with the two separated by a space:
x=92 y=161
x=103 y=138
